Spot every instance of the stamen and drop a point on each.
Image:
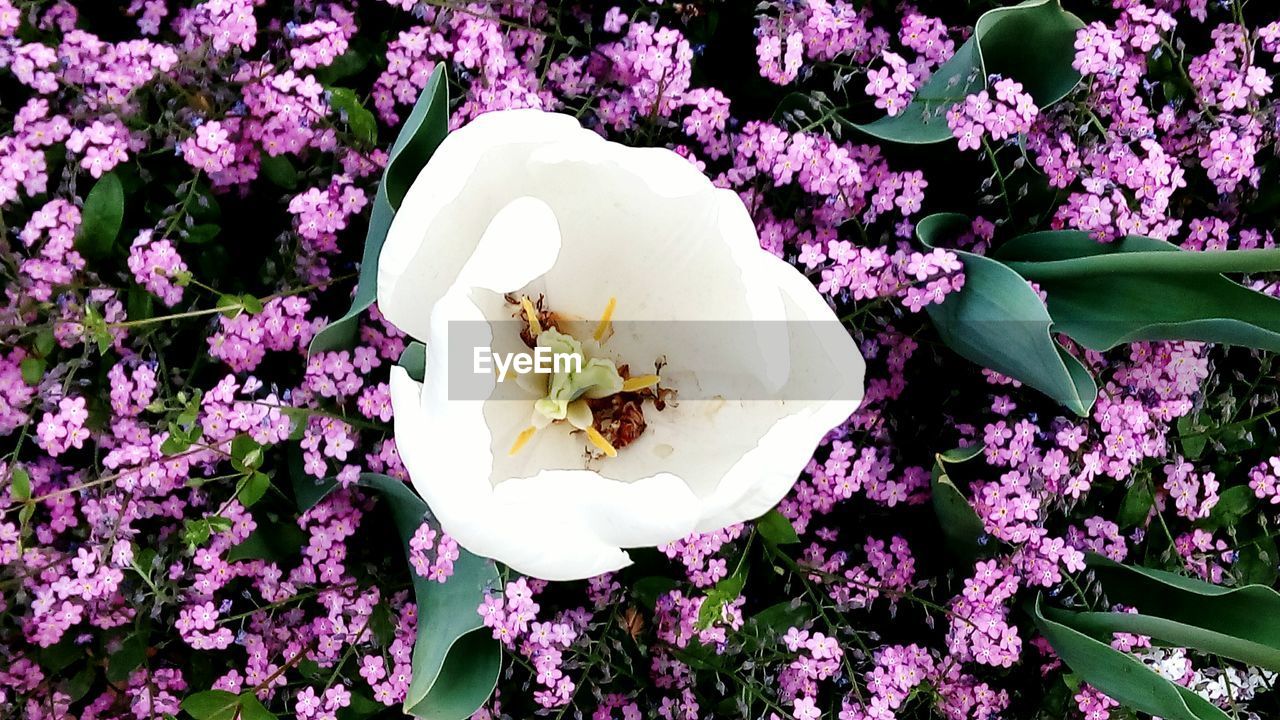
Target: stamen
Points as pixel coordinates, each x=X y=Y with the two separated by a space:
x=639 y=382
x=522 y=439
x=601 y=444
x=603 y=326
x=535 y=328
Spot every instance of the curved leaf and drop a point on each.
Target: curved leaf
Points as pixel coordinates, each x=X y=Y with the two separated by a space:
x=1102 y=624
x=1103 y=295
x=1249 y=611
x=421 y=134
x=999 y=322
x=1119 y=675
x=1033 y=43
x=960 y=523
x=101 y=217
x=456 y=662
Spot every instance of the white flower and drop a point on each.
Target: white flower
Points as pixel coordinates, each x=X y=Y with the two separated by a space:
x=520 y=206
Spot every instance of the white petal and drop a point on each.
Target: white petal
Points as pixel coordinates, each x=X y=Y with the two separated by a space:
x=477 y=170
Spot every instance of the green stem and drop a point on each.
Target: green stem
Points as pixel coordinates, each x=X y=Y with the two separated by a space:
x=1188 y=263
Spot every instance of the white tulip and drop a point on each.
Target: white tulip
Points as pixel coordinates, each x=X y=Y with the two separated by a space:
x=524 y=205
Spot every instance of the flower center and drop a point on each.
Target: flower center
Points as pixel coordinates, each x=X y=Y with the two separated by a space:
x=585 y=389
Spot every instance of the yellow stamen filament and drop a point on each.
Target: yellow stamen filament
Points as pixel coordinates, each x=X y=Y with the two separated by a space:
x=601 y=444
x=522 y=439
x=639 y=382
x=603 y=326
x=535 y=328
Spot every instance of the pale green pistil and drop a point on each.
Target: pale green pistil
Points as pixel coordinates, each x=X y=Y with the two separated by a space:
x=590 y=378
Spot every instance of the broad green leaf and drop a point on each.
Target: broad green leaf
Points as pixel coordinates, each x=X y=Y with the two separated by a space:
x=456 y=661
x=1033 y=43
x=32 y=370
x=999 y=322
x=776 y=529
x=418 y=139
x=101 y=217
x=1121 y=676
x=960 y=523
x=414 y=360
x=1250 y=611
x=252 y=709
x=1109 y=294
x=1102 y=624
x=212 y=705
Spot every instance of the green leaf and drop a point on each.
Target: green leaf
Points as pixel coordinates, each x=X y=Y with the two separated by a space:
x=1102 y=624
x=1234 y=503
x=648 y=589
x=414 y=360
x=456 y=661
x=999 y=322
x=1136 y=505
x=723 y=593
x=101 y=217
x=255 y=485
x=252 y=709
x=20 y=485
x=362 y=122
x=1109 y=294
x=280 y=171
x=418 y=139
x=212 y=705
x=1248 y=613
x=1119 y=675
x=32 y=370
x=274 y=541
x=202 y=234
x=1033 y=43
x=122 y=662
x=960 y=523
x=776 y=529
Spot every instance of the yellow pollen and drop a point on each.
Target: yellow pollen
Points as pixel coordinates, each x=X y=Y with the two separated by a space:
x=639 y=382
x=522 y=439
x=535 y=328
x=603 y=326
x=598 y=440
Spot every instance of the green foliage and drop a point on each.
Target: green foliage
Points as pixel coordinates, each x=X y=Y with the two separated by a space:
x=960 y=523
x=999 y=322
x=362 y=122
x=776 y=529
x=1031 y=42
x=101 y=217
x=1100 y=295
x=456 y=661
x=1119 y=675
x=422 y=133
x=1141 y=288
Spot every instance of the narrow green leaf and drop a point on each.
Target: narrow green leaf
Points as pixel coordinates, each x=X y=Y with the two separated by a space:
x=362 y=122
x=254 y=487
x=1121 y=676
x=101 y=217
x=1032 y=42
x=1109 y=294
x=418 y=139
x=999 y=322
x=960 y=523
